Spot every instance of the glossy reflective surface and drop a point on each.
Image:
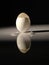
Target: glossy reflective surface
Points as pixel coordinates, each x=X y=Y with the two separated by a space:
x=24 y=48
x=10 y=54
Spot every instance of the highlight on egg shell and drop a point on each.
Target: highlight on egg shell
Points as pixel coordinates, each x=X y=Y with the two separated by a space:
x=22 y=22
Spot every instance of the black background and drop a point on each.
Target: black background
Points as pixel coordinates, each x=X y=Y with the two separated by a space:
x=38 y=12
x=38 y=53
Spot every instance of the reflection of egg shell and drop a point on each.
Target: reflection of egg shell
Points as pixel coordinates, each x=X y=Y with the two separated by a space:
x=23 y=43
x=23 y=22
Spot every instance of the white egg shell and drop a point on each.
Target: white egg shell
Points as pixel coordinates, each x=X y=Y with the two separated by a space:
x=23 y=22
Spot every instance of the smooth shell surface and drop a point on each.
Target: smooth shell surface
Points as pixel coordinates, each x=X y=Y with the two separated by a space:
x=23 y=22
